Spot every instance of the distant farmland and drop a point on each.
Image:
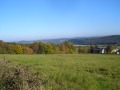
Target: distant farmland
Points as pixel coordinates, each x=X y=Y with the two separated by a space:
x=73 y=72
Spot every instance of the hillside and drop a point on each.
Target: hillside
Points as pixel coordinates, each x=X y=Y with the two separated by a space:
x=60 y=40
x=113 y=39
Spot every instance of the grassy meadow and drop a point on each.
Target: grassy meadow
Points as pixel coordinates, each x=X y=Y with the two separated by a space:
x=72 y=71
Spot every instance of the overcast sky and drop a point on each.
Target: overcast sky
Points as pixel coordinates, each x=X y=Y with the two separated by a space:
x=46 y=19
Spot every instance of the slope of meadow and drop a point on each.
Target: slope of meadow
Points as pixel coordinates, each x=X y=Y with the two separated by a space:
x=73 y=72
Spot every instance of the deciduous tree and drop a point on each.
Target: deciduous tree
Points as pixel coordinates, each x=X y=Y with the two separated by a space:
x=18 y=49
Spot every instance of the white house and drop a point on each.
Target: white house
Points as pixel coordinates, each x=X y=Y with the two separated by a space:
x=99 y=50
x=118 y=51
x=115 y=50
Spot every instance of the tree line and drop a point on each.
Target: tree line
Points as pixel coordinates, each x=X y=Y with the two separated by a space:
x=48 y=48
x=37 y=48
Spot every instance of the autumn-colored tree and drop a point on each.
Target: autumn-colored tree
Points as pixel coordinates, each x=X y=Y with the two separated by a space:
x=11 y=49
x=63 y=49
x=56 y=49
x=18 y=49
x=1 y=43
x=2 y=49
x=27 y=50
x=70 y=47
x=35 y=47
x=48 y=49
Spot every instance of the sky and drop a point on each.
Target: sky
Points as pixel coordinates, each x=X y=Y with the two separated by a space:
x=48 y=19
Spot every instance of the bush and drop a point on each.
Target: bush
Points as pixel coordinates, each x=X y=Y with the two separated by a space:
x=17 y=77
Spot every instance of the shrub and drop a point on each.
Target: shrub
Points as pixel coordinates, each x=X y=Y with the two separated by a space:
x=17 y=77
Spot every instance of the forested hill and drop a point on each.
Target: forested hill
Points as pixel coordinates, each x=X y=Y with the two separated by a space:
x=113 y=39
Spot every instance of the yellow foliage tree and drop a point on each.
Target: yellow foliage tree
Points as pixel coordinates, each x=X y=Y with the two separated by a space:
x=18 y=49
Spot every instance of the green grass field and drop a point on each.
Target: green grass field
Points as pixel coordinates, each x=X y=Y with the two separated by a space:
x=73 y=72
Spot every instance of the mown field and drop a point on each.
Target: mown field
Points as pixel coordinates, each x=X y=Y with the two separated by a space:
x=73 y=71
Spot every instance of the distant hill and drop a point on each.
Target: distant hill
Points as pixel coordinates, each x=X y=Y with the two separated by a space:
x=25 y=42
x=60 y=40
x=113 y=39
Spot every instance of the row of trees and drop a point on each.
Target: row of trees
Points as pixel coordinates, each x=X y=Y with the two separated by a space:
x=37 y=48
x=48 y=48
